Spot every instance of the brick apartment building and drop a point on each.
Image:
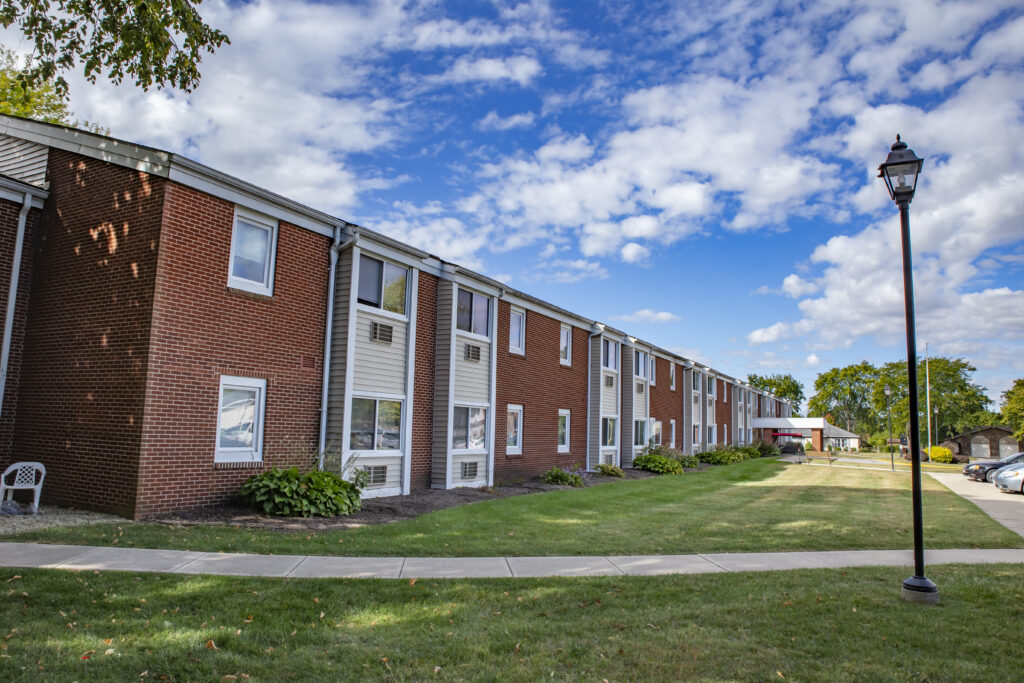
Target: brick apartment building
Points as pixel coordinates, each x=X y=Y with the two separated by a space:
x=175 y=330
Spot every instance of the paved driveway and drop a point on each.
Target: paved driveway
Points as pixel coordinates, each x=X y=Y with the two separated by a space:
x=1005 y=508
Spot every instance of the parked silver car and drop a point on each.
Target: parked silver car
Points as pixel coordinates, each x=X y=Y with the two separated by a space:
x=1010 y=479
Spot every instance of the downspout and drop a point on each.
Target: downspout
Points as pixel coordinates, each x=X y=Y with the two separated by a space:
x=336 y=248
x=12 y=294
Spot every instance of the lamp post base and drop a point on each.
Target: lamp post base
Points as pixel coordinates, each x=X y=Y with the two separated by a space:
x=920 y=590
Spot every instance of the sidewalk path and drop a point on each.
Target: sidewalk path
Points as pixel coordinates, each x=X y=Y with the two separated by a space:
x=37 y=555
x=1005 y=508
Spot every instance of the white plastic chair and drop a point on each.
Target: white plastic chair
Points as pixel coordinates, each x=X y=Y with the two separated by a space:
x=25 y=474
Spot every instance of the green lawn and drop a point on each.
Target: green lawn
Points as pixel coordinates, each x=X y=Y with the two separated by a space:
x=822 y=625
x=754 y=506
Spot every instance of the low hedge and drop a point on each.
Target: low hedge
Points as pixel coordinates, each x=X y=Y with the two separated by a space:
x=556 y=475
x=290 y=493
x=661 y=464
x=610 y=470
x=940 y=454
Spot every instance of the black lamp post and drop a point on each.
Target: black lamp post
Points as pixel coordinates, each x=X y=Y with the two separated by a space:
x=888 y=393
x=900 y=172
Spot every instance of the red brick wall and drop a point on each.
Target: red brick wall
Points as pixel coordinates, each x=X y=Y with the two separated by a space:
x=666 y=404
x=8 y=235
x=543 y=386
x=80 y=406
x=423 y=387
x=202 y=330
x=723 y=412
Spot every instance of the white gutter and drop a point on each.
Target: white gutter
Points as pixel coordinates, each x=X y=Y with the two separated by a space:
x=336 y=248
x=12 y=294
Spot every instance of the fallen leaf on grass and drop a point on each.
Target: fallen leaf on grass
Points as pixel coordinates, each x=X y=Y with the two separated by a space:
x=109 y=652
x=210 y=645
x=13 y=578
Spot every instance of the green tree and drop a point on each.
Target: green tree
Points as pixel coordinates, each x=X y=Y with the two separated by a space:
x=42 y=102
x=1013 y=408
x=782 y=385
x=844 y=396
x=154 y=43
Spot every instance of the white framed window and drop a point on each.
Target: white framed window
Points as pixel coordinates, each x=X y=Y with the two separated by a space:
x=473 y=313
x=711 y=434
x=653 y=374
x=696 y=437
x=655 y=432
x=640 y=363
x=240 y=419
x=609 y=354
x=697 y=380
x=711 y=386
x=376 y=425
x=517 y=331
x=608 y=430
x=563 y=430
x=514 y=440
x=639 y=433
x=672 y=433
x=672 y=376
x=726 y=392
x=382 y=285
x=469 y=429
x=253 y=245
x=565 y=345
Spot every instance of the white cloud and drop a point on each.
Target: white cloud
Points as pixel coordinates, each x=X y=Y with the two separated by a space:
x=520 y=69
x=634 y=253
x=812 y=360
x=573 y=270
x=493 y=121
x=796 y=287
x=647 y=315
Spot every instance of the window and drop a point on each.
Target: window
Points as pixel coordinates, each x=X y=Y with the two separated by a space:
x=517 y=331
x=656 y=432
x=253 y=240
x=608 y=431
x=696 y=380
x=473 y=313
x=725 y=393
x=639 y=433
x=565 y=345
x=563 y=431
x=376 y=425
x=711 y=433
x=514 y=441
x=696 y=436
x=711 y=385
x=653 y=374
x=382 y=285
x=240 y=419
x=609 y=354
x=672 y=433
x=672 y=376
x=469 y=428
x=640 y=363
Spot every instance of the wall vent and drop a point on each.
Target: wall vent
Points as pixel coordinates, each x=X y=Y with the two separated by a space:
x=472 y=353
x=378 y=475
x=609 y=381
x=639 y=387
x=381 y=333
x=469 y=470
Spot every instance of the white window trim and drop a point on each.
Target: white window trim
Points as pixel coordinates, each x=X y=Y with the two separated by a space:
x=261 y=221
x=380 y=452
x=487 y=436
x=640 y=368
x=643 y=441
x=654 y=370
x=521 y=349
x=615 y=346
x=473 y=336
x=672 y=376
x=490 y=312
x=254 y=454
x=518 y=448
x=380 y=310
x=615 y=432
x=567 y=414
x=672 y=435
x=660 y=432
x=568 y=355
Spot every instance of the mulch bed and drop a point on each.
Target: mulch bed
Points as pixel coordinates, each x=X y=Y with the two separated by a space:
x=378 y=510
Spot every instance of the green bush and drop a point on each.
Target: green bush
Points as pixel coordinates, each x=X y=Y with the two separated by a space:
x=866 y=449
x=940 y=454
x=689 y=461
x=610 y=470
x=665 y=451
x=556 y=475
x=766 y=450
x=721 y=457
x=658 y=463
x=289 y=493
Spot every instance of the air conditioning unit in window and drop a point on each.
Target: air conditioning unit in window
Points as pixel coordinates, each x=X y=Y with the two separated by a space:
x=609 y=381
x=381 y=333
x=469 y=470
x=378 y=475
x=472 y=353
x=639 y=387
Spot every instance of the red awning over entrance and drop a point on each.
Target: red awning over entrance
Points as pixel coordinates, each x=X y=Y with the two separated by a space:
x=785 y=434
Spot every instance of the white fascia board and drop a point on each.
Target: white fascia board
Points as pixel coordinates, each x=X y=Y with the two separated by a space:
x=790 y=422
x=197 y=176
x=15 y=191
x=371 y=245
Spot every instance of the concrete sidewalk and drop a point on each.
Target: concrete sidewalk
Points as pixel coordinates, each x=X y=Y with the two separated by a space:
x=1005 y=508
x=35 y=555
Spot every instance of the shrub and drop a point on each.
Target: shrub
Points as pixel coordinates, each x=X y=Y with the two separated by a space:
x=556 y=475
x=866 y=449
x=289 y=493
x=721 y=457
x=610 y=470
x=765 y=449
x=689 y=461
x=668 y=452
x=940 y=454
x=658 y=463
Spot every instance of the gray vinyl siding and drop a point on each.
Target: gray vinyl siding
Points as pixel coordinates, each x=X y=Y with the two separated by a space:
x=609 y=396
x=686 y=386
x=393 y=463
x=339 y=351
x=472 y=378
x=639 y=400
x=379 y=367
x=595 y=404
x=23 y=160
x=442 y=373
x=481 y=469
x=628 y=400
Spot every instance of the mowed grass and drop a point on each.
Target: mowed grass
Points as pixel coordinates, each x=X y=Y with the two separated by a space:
x=754 y=506
x=822 y=625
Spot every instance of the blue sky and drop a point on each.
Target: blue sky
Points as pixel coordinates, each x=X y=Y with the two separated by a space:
x=699 y=174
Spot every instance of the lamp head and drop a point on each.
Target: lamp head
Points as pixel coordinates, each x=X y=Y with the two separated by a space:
x=900 y=171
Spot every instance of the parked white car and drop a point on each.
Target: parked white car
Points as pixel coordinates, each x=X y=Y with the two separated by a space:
x=1010 y=479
